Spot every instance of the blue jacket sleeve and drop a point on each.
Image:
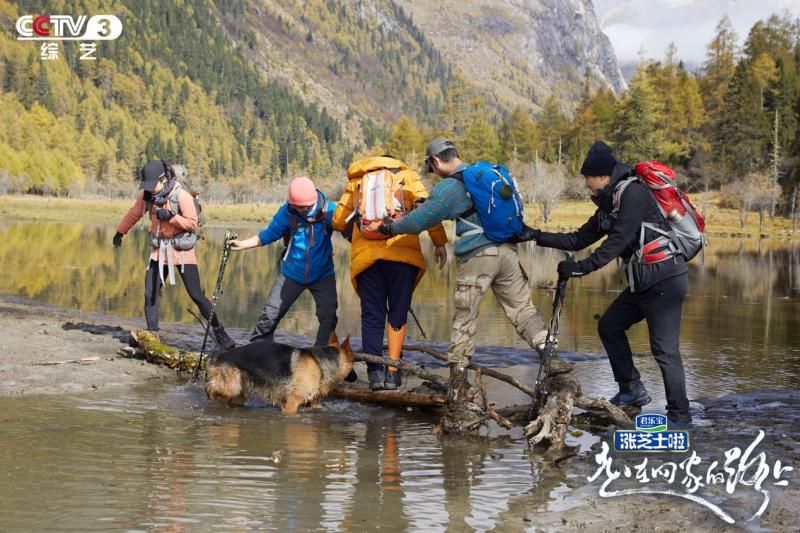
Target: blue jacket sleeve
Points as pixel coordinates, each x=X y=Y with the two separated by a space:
x=277 y=228
x=448 y=200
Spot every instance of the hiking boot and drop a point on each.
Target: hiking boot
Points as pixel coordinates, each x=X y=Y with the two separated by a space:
x=352 y=377
x=685 y=426
x=376 y=378
x=393 y=380
x=637 y=396
x=679 y=422
x=223 y=339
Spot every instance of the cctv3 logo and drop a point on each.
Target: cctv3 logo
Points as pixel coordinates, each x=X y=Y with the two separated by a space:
x=67 y=28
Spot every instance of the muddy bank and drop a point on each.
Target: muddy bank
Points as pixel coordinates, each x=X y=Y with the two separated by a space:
x=36 y=337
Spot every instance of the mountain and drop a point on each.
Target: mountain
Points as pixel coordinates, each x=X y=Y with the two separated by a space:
x=522 y=51
x=384 y=58
x=246 y=92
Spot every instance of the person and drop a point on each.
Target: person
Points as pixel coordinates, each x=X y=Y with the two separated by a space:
x=304 y=223
x=482 y=262
x=384 y=272
x=656 y=290
x=173 y=235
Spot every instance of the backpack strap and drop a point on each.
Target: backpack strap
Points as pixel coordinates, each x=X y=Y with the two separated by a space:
x=459 y=176
x=617 y=194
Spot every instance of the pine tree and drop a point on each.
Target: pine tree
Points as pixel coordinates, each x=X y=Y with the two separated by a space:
x=742 y=132
x=635 y=133
x=719 y=66
x=405 y=142
x=480 y=143
x=519 y=136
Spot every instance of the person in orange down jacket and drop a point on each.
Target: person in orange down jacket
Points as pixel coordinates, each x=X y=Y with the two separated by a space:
x=384 y=271
x=173 y=235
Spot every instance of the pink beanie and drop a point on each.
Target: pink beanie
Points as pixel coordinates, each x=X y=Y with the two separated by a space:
x=302 y=191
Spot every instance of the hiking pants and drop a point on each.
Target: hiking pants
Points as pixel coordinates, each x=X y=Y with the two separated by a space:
x=661 y=307
x=497 y=267
x=152 y=290
x=385 y=289
x=283 y=295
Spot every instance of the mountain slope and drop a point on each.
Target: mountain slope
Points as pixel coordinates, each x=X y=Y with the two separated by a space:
x=522 y=50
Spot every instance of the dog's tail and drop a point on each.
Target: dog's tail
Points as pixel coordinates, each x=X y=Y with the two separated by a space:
x=223 y=381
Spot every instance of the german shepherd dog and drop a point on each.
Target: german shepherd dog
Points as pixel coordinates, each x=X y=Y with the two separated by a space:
x=278 y=373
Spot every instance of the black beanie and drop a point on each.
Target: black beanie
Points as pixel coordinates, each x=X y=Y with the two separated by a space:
x=599 y=161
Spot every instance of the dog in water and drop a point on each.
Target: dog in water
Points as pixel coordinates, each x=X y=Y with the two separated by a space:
x=278 y=373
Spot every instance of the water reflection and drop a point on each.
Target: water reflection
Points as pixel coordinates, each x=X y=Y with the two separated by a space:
x=163 y=458
x=741 y=327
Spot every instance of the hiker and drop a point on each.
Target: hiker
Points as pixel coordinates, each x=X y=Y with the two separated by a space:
x=487 y=220
x=173 y=235
x=625 y=209
x=384 y=271
x=303 y=222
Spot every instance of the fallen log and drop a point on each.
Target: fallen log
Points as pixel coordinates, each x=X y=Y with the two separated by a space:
x=151 y=349
x=390 y=398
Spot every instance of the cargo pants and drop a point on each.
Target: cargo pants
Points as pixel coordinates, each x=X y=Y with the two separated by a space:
x=498 y=268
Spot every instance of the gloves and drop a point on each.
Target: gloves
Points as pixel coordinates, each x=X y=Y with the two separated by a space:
x=527 y=234
x=117 y=240
x=387 y=228
x=570 y=269
x=164 y=214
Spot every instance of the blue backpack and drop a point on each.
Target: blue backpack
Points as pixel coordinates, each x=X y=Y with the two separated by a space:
x=496 y=199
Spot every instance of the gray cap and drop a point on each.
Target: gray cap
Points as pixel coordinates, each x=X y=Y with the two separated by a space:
x=151 y=174
x=436 y=147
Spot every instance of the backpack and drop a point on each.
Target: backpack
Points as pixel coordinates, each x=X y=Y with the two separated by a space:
x=686 y=235
x=179 y=172
x=496 y=199
x=380 y=195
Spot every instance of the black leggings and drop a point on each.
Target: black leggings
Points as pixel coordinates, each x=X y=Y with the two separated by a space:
x=152 y=289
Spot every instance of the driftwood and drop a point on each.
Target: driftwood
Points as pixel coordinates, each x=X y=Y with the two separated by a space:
x=468 y=413
x=81 y=361
x=421 y=400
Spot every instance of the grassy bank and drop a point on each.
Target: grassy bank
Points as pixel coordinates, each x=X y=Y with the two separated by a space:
x=567 y=216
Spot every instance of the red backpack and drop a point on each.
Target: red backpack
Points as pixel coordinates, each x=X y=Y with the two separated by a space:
x=687 y=233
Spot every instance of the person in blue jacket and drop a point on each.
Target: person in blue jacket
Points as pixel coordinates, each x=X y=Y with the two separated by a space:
x=304 y=224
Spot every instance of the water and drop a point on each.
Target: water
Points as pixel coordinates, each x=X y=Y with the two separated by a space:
x=740 y=329
x=162 y=457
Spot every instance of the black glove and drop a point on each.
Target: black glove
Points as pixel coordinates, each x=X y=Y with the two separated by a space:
x=570 y=269
x=164 y=214
x=387 y=228
x=117 y=240
x=527 y=234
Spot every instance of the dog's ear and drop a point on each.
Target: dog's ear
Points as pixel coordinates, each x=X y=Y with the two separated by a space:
x=333 y=340
x=346 y=343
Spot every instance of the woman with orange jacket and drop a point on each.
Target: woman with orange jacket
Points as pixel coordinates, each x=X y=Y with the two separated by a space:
x=385 y=271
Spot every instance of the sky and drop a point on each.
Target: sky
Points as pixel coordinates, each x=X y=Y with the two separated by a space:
x=690 y=24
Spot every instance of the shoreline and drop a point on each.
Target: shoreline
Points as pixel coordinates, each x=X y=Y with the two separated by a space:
x=566 y=216
x=35 y=332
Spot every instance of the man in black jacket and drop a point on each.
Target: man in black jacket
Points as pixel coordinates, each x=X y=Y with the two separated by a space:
x=656 y=290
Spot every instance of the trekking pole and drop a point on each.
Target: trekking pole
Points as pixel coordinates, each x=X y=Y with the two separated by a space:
x=226 y=252
x=414 y=315
x=540 y=390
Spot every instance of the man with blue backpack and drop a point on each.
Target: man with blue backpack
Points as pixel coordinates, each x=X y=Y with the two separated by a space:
x=484 y=200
